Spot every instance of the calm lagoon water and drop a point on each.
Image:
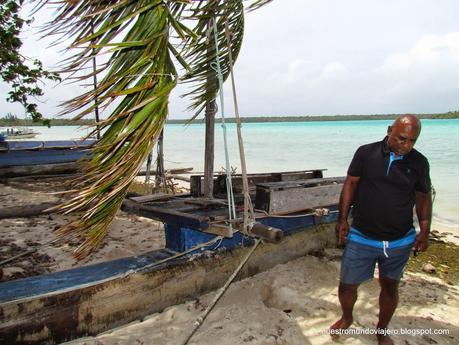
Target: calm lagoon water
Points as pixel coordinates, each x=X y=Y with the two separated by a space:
x=327 y=145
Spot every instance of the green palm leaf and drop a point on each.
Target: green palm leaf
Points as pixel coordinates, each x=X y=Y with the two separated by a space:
x=141 y=73
x=258 y=3
x=201 y=53
x=140 y=38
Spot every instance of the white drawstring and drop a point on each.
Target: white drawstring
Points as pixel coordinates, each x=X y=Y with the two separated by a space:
x=385 y=246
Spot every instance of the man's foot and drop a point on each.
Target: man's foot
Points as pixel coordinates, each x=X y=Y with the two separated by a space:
x=339 y=325
x=384 y=340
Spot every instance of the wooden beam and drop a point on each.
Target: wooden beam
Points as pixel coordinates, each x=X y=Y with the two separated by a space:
x=26 y=211
x=40 y=169
x=166 y=215
x=152 y=197
x=169 y=171
x=211 y=110
x=219 y=230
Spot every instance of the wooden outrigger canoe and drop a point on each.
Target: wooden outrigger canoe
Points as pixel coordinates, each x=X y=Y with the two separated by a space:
x=65 y=305
x=22 y=158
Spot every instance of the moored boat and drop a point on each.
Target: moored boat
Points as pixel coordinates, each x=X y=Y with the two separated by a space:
x=22 y=158
x=13 y=133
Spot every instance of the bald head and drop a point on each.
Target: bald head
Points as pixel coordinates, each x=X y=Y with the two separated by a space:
x=403 y=133
x=407 y=120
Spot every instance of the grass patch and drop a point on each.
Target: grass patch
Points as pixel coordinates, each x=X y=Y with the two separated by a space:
x=444 y=256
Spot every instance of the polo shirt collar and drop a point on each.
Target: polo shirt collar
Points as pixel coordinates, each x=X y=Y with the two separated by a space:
x=384 y=146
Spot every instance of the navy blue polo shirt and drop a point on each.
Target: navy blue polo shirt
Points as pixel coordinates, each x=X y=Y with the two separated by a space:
x=385 y=197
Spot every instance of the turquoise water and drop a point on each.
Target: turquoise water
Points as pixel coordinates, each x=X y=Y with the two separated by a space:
x=311 y=145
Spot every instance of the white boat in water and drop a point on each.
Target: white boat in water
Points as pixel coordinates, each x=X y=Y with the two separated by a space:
x=18 y=133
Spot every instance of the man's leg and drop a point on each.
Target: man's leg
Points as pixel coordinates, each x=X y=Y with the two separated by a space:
x=347 y=294
x=388 y=300
x=357 y=266
x=390 y=273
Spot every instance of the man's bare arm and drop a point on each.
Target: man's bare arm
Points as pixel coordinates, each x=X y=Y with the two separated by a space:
x=424 y=213
x=345 y=201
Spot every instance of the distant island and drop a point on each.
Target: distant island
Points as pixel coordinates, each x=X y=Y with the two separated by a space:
x=448 y=115
x=11 y=120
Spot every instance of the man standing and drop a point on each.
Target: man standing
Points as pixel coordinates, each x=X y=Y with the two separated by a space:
x=384 y=181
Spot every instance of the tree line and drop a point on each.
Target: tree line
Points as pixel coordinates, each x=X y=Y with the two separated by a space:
x=13 y=120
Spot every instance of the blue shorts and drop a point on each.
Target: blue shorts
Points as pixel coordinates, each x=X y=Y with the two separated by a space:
x=359 y=261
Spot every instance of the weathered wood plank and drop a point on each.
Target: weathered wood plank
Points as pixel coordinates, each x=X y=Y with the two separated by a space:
x=219 y=230
x=205 y=202
x=165 y=215
x=153 y=197
x=304 y=183
x=256 y=179
x=157 y=197
x=210 y=111
x=196 y=181
x=41 y=169
x=170 y=171
x=289 y=197
x=26 y=210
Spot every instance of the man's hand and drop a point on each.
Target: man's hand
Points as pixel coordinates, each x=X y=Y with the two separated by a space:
x=422 y=242
x=350 y=186
x=424 y=213
x=341 y=231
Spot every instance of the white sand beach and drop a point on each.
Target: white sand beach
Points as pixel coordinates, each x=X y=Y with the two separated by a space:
x=293 y=303
x=129 y=235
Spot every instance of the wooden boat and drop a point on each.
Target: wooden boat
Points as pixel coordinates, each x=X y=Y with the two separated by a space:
x=21 y=158
x=19 y=133
x=201 y=252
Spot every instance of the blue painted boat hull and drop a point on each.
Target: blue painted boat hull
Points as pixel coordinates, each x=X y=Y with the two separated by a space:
x=26 y=158
x=42 y=152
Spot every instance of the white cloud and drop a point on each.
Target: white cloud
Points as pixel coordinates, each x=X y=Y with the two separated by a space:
x=430 y=50
x=333 y=70
x=305 y=57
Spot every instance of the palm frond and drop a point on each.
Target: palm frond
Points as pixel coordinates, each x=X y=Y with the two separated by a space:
x=137 y=37
x=257 y=4
x=141 y=73
x=201 y=53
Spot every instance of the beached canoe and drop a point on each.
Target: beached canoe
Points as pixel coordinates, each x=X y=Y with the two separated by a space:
x=22 y=158
x=201 y=253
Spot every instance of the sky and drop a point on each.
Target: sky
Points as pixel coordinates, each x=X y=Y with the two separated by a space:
x=308 y=57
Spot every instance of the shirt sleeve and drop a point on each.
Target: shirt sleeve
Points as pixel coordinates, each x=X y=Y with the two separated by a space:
x=356 y=166
x=423 y=185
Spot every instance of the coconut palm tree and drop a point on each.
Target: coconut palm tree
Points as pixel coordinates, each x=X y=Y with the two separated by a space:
x=143 y=41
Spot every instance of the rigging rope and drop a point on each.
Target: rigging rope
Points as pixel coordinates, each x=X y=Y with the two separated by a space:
x=200 y=320
x=248 y=220
x=229 y=185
